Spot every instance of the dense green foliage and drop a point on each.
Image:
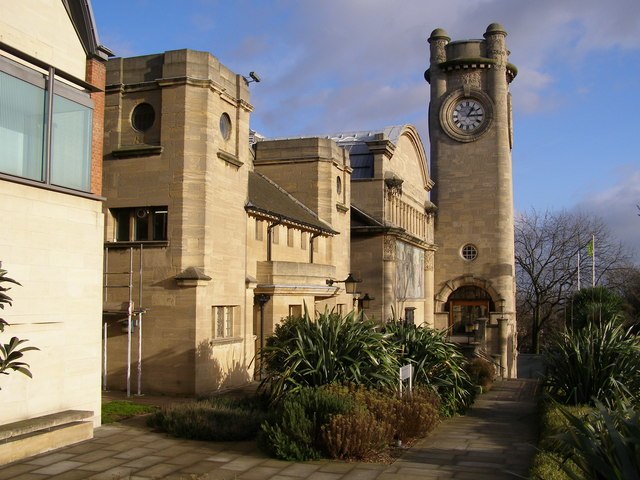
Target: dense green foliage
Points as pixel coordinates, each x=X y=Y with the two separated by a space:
x=330 y=349
x=603 y=446
x=293 y=429
x=436 y=363
x=595 y=305
x=216 y=419
x=600 y=361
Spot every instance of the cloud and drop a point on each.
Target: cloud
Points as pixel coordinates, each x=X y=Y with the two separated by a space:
x=617 y=206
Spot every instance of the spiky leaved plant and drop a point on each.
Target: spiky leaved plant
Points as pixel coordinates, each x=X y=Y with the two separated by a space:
x=436 y=362
x=603 y=446
x=600 y=361
x=328 y=349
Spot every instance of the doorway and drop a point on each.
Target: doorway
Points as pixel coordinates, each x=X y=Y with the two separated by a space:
x=465 y=312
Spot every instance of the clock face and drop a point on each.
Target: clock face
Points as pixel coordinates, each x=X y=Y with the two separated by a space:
x=468 y=115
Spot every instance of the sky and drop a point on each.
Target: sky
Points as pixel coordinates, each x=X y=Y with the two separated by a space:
x=329 y=66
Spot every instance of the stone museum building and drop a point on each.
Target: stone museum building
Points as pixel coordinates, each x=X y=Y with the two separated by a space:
x=159 y=240
x=214 y=234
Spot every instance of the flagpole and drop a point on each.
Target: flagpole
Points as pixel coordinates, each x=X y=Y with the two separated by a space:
x=578 y=270
x=593 y=262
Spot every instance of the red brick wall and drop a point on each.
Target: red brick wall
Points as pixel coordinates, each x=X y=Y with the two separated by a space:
x=96 y=76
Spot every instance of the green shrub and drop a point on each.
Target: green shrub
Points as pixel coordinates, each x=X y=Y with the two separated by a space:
x=330 y=349
x=436 y=363
x=293 y=430
x=482 y=372
x=216 y=419
x=600 y=361
x=605 y=445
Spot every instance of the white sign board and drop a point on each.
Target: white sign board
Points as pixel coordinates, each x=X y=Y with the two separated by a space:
x=406 y=372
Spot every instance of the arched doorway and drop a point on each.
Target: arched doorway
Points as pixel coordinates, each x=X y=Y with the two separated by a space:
x=465 y=305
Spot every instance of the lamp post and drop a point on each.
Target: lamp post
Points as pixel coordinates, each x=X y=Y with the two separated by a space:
x=350 y=283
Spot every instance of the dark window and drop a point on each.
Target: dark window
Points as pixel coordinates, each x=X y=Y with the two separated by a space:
x=140 y=224
x=225 y=126
x=143 y=117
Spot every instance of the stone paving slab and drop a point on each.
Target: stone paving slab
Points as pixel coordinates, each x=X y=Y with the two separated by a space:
x=494 y=441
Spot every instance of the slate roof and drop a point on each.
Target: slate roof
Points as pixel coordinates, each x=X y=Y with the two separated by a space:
x=268 y=198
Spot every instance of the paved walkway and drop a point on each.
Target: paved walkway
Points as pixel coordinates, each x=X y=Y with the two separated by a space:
x=493 y=441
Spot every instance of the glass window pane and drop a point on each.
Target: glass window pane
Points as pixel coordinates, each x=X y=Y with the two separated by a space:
x=122 y=225
x=160 y=225
x=220 y=322
x=142 y=225
x=229 y=322
x=71 y=145
x=22 y=108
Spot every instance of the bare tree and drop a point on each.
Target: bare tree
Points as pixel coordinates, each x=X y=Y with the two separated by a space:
x=551 y=253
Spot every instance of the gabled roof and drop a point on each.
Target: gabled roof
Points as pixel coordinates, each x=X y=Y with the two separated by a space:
x=267 y=198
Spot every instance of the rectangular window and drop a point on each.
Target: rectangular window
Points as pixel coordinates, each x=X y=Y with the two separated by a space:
x=223 y=321
x=275 y=235
x=141 y=224
x=259 y=230
x=26 y=149
x=304 y=240
x=71 y=144
x=295 y=311
x=22 y=108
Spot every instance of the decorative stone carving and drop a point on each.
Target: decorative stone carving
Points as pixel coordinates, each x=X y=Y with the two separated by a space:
x=471 y=79
x=389 y=253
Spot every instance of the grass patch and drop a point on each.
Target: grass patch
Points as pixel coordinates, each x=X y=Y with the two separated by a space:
x=122 y=409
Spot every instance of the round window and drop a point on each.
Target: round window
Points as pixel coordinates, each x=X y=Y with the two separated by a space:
x=225 y=126
x=469 y=252
x=142 y=117
x=338 y=185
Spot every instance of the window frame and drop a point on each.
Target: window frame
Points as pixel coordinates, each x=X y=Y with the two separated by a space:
x=132 y=217
x=229 y=325
x=47 y=78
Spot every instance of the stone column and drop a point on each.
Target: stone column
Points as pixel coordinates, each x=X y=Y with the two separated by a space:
x=503 y=338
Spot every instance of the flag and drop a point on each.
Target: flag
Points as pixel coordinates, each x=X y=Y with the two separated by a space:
x=590 y=248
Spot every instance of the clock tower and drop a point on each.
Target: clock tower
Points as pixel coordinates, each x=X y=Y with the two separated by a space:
x=470 y=129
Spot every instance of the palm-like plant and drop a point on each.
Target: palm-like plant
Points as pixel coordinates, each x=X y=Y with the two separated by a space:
x=436 y=362
x=329 y=349
x=10 y=353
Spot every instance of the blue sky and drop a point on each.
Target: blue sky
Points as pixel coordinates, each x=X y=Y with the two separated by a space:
x=338 y=65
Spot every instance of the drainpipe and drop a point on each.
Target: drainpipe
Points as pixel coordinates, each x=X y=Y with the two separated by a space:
x=261 y=300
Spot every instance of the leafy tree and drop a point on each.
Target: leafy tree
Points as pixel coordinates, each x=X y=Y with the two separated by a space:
x=548 y=249
x=10 y=353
